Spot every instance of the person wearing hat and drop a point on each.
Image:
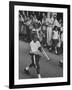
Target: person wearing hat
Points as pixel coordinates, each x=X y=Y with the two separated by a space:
x=35 y=55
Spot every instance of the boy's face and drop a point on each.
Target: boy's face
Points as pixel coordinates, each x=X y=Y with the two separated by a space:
x=35 y=38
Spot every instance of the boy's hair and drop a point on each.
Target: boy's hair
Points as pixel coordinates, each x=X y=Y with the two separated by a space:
x=58 y=28
x=55 y=27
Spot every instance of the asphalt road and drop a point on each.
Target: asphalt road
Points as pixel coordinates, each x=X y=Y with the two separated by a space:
x=48 y=69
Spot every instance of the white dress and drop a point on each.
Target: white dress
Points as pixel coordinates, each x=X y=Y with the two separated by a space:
x=49 y=30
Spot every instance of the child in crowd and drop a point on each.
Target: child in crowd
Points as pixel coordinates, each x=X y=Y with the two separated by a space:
x=55 y=38
x=35 y=55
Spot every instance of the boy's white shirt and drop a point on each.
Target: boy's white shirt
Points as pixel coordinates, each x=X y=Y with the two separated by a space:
x=35 y=45
x=56 y=35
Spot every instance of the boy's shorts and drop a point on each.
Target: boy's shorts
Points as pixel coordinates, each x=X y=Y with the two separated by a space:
x=55 y=41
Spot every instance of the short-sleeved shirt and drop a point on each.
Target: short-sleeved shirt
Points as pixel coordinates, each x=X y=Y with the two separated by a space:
x=35 y=45
x=55 y=35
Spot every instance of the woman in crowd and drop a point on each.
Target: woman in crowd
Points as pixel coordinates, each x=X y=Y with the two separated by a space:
x=49 y=23
x=44 y=30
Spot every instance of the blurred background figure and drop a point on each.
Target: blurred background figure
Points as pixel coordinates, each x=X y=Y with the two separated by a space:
x=56 y=23
x=44 y=30
x=49 y=23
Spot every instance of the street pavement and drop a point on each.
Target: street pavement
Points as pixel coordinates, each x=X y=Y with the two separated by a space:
x=48 y=69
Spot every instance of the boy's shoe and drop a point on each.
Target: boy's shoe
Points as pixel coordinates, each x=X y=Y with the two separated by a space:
x=26 y=71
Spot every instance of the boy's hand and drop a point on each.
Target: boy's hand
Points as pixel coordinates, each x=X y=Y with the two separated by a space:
x=40 y=49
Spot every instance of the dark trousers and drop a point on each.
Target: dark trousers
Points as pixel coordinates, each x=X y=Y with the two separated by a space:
x=54 y=43
x=36 y=63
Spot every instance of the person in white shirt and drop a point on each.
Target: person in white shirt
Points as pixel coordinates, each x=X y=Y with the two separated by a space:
x=35 y=55
x=55 y=38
